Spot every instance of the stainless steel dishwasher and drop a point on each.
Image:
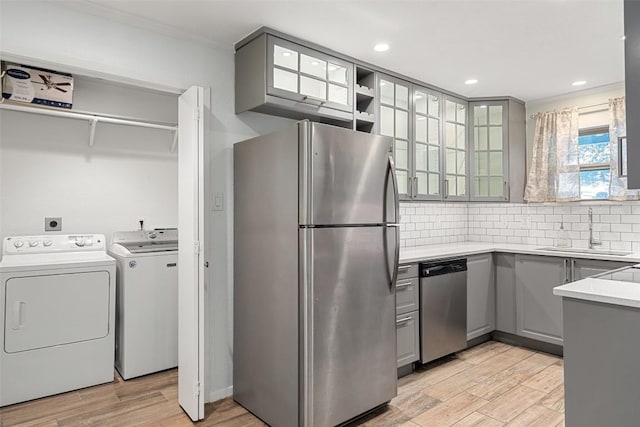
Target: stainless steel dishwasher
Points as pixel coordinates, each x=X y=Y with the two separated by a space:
x=443 y=308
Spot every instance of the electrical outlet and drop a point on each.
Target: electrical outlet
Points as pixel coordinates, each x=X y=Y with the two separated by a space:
x=53 y=224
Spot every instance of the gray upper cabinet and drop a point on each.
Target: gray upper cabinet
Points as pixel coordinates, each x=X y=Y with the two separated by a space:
x=539 y=312
x=497 y=150
x=427 y=144
x=395 y=121
x=481 y=295
x=279 y=77
x=455 y=150
x=632 y=87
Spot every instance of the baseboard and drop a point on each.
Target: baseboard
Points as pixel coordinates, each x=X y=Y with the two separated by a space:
x=220 y=394
x=529 y=343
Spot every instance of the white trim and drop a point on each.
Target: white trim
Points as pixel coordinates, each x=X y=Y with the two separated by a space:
x=220 y=394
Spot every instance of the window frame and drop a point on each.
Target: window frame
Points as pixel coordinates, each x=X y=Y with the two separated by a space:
x=594 y=130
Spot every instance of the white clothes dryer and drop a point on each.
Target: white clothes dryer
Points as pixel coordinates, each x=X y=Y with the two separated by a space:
x=57 y=296
x=147 y=301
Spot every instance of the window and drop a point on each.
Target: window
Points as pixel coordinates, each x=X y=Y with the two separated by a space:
x=594 y=157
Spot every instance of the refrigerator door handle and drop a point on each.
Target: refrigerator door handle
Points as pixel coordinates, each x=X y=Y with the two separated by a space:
x=393 y=276
x=396 y=197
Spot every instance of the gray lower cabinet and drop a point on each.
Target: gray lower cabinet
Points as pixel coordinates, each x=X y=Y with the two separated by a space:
x=505 y=292
x=407 y=314
x=408 y=338
x=583 y=268
x=538 y=311
x=481 y=295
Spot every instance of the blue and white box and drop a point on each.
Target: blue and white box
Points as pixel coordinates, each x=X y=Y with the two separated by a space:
x=33 y=85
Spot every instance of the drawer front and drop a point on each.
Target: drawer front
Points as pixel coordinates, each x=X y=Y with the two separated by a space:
x=407 y=271
x=407 y=295
x=408 y=338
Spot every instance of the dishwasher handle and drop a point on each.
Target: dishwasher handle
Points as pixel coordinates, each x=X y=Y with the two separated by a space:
x=436 y=268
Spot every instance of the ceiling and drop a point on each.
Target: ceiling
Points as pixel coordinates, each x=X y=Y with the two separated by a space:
x=530 y=49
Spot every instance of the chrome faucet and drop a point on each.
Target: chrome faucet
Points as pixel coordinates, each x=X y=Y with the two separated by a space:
x=592 y=241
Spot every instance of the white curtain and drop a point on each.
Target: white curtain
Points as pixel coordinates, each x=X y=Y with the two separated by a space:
x=618 y=128
x=554 y=175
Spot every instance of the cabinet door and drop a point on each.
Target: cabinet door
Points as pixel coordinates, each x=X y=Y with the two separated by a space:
x=632 y=87
x=407 y=295
x=583 y=268
x=455 y=149
x=539 y=312
x=408 y=338
x=302 y=74
x=427 y=159
x=481 y=295
x=505 y=292
x=488 y=147
x=395 y=121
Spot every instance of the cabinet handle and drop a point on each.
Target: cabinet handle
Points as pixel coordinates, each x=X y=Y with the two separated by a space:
x=573 y=270
x=506 y=190
x=410 y=187
x=404 y=267
x=403 y=320
x=314 y=99
x=566 y=270
x=403 y=285
x=446 y=188
x=415 y=186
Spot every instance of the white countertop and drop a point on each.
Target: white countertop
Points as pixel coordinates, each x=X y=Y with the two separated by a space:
x=429 y=252
x=598 y=290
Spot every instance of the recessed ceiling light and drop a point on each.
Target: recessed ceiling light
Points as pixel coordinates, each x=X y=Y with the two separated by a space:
x=381 y=47
x=579 y=83
x=286 y=53
x=470 y=82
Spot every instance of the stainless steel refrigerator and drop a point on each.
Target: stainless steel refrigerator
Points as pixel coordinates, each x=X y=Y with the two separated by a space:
x=316 y=246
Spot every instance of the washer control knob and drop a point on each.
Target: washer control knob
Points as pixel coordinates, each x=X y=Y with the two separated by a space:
x=33 y=243
x=47 y=243
x=18 y=243
x=80 y=242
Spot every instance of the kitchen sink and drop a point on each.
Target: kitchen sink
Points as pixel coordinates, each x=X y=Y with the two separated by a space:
x=585 y=251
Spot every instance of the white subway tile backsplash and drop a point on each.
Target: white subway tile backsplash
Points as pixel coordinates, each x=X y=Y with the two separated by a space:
x=616 y=224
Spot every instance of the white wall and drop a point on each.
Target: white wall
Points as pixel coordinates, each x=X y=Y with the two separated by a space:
x=48 y=169
x=98 y=46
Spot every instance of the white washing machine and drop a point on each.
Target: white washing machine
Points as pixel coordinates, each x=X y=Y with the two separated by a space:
x=57 y=295
x=147 y=301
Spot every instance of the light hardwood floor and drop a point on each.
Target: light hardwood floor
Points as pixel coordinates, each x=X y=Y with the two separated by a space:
x=492 y=384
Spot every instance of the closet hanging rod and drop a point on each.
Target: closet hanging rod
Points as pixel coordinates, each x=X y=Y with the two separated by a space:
x=92 y=118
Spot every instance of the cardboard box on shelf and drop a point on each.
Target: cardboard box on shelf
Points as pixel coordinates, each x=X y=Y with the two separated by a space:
x=22 y=83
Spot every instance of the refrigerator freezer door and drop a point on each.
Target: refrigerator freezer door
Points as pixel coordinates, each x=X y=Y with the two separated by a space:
x=351 y=333
x=348 y=176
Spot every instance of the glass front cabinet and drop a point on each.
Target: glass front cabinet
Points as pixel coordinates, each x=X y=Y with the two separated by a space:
x=427 y=161
x=489 y=150
x=456 y=184
x=395 y=122
x=308 y=76
x=497 y=150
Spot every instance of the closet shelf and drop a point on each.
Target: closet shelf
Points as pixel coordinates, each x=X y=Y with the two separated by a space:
x=93 y=120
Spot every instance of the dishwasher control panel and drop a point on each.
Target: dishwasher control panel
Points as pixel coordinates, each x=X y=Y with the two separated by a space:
x=445 y=266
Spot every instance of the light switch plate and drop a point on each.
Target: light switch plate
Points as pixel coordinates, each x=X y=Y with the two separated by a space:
x=218 y=202
x=53 y=223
